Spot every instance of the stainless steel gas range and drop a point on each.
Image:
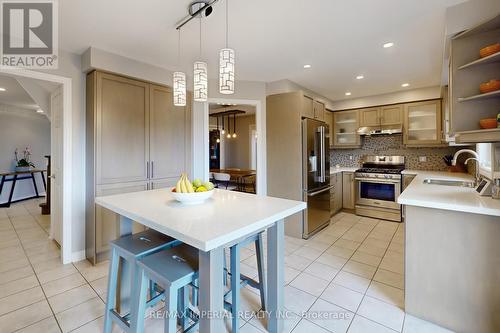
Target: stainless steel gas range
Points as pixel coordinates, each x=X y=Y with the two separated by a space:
x=378 y=186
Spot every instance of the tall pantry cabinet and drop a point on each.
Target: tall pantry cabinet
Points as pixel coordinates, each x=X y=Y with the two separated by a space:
x=136 y=140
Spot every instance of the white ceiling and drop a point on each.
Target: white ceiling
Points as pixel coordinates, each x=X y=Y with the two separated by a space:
x=274 y=39
x=15 y=95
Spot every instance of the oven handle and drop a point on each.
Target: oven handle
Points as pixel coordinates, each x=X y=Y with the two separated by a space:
x=389 y=181
x=320 y=191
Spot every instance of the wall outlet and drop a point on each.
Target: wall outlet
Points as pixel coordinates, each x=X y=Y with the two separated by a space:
x=422 y=158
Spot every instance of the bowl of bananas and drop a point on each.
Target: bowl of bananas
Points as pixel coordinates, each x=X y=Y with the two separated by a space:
x=192 y=193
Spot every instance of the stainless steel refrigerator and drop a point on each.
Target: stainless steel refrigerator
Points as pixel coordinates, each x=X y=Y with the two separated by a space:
x=316 y=175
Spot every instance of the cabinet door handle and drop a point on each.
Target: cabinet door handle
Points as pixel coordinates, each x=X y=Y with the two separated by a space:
x=152 y=169
x=147 y=169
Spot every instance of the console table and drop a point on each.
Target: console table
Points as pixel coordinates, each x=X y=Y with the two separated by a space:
x=20 y=175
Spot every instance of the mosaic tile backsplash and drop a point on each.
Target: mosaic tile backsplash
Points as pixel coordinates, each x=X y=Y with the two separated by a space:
x=392 y=145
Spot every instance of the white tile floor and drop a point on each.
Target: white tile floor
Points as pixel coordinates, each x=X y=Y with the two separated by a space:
x=347 y=278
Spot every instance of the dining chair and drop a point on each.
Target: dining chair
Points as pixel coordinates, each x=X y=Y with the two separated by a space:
x=223 y=179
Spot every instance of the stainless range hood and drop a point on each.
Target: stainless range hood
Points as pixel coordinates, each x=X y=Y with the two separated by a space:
x=368 y=131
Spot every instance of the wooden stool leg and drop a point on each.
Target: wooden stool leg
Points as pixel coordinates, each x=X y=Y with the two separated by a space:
x=139 y=303
x=235 y=287
x=171 y=307
x=111 y=297
x=259 y=248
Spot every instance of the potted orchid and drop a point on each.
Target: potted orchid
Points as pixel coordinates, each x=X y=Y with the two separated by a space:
x=23 y=164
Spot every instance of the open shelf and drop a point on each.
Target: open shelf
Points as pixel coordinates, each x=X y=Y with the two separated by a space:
x=486 y=60
x=478 y=136
x=492 y=94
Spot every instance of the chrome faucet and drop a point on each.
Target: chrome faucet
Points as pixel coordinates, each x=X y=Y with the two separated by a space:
x=470 y=151
x=478 y=175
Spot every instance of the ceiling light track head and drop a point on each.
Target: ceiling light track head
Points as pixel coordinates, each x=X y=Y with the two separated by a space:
x=197 y=8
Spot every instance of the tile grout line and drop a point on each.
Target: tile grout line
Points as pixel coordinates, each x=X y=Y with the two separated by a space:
x=39 y=284
x=371 y=281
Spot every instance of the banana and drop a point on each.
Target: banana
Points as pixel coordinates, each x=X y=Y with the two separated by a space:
x=189 y=185
x=183 y=185
x=178 y=186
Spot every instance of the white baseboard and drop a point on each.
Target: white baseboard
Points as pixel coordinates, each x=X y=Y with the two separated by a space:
x=78 y=256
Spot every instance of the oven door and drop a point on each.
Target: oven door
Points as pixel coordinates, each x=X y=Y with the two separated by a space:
x=378 y=192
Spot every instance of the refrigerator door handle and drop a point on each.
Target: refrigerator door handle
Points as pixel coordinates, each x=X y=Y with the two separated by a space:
x=312 y=194
x=322 y=148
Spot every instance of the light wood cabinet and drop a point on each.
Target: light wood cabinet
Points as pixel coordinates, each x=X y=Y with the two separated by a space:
x=307 y=107
x=336 y=193
x=107 y=222
x=381 y=117
x=348 y=190
x=345 y=127
x=422 y=123
x=169 y=141
x=329 y=121
x=136 y=140
x=122 y=137
x=312 y=108
x=391 y=115
x=369 y=117
x=319 y=110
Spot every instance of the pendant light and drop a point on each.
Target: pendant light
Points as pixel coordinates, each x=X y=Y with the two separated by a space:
x=200 y=78
x=223 y=128
x=234 y=126
x=226 y=65
x=228 y=127
x=179 y=79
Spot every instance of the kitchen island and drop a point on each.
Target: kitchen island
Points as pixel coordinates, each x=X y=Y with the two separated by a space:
x=223 y=220
x=452 y=254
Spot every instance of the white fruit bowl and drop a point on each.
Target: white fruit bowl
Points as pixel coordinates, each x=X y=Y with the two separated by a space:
x=192 y=198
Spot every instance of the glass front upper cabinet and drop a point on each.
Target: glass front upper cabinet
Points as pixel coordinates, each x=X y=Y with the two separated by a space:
x=422 y=123
x=346 y=124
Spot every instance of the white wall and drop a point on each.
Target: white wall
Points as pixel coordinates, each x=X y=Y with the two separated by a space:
x=20 y=128
x=404 y=96
x=284 y=86
x=70 y=67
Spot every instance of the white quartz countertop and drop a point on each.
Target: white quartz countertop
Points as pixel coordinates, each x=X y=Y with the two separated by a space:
x=226 y=217
x=342 y=169
x=454 y=198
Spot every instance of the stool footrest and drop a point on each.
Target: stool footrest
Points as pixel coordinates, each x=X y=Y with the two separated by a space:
x=119 y=320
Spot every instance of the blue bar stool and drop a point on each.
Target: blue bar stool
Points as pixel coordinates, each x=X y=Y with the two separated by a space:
x=174 y=270
x=238 y=280
x=131 y=248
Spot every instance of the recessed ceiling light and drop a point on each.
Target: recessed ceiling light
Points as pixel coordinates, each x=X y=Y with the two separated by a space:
x=3 y=89
x=360 y=77
x=307 y=66
x=405 y=85
x=348 y=93
x=39 y=111
x=387 y=45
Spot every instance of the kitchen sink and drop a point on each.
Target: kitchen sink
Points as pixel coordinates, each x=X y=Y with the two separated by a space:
x=445 y=182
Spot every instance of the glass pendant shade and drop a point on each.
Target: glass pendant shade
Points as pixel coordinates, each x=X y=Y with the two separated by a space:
x=200 y=81
x=179 y=80
x=226 y=71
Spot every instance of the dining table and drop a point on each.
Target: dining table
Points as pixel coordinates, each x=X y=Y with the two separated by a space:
x=225 y=219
